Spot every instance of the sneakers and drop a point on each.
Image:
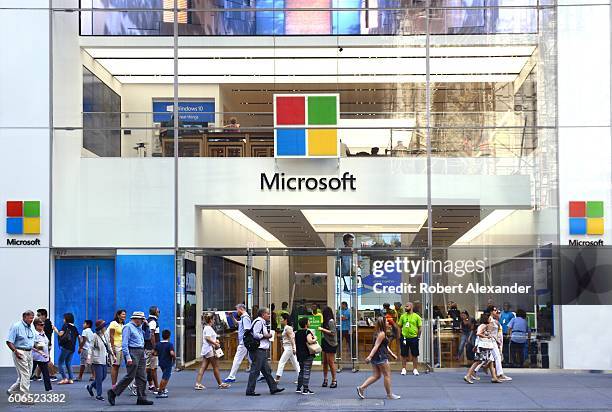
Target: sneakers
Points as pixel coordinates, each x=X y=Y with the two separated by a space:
x=468 y=379
x=152 y=388
x=307 y=392
x=132 y=389
x=298 y=390
x=403 y=372
x=142 y=401
x=229 y=380
x=53 y=378
x=415 y=372
x=505 y=378
x=111 y=395
x=360 y=393
x=90 y=390
x=162 y=395
x=393 y=397
x=100 y=398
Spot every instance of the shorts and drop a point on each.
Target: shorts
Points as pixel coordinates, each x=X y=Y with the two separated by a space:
x=409 y=346
x=327 y=348
x=84 y=355
x=118 y=355
x=166 y=372
x=210 y=354
x=151 y=360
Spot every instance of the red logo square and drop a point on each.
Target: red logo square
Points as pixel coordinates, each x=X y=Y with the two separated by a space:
x=577 y=209
x=290 y=110
x=14 y=208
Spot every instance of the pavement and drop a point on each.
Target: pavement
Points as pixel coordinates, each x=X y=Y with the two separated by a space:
x=442 y=390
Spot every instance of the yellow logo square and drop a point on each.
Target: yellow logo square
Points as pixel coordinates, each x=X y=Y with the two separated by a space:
x=322 y=142
x=595 y=226
x=31 y=225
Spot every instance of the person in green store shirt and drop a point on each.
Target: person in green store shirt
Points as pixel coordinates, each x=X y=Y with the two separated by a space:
x=279 y=314
x=410 y=324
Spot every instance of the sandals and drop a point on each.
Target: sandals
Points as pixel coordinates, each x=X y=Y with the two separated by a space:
x=333 y=385
x=224 y=386
x=199 y=387
x=324 y=385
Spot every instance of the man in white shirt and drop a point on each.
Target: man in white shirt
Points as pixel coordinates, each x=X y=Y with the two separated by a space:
x=85 y=342
x=261 y=332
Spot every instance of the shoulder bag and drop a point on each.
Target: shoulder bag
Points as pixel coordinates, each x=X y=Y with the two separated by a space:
x=313 y=348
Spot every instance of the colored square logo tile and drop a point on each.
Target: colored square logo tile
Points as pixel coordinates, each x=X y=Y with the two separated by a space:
x=322 y=110
x=14 y=225
x=31 y=208
x=290 y=142
x=594 y=209
x=322 y=142
x=31 y=225
x=577 y=226
x=577 y=209
x=595 y=226
x=290 y=110
x=14 y=208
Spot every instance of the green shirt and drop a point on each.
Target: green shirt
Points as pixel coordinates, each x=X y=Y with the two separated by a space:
x=410 y=324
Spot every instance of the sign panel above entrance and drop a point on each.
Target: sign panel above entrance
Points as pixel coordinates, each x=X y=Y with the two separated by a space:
x=305 y=125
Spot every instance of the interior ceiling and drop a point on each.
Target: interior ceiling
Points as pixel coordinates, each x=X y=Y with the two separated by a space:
x=292 y=228
x=450 y=223
x=289 y=226
x=357 y=64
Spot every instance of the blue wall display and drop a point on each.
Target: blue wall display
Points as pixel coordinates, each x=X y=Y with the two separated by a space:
x=189 y=112
x=85 y=288
x=144 y=281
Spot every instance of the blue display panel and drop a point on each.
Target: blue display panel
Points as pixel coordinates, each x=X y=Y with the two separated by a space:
x=144 y=281
x=189 y=112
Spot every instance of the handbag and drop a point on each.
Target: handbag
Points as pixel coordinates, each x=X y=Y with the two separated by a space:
x=314 y=348
x=486 y=344
x=219 y=353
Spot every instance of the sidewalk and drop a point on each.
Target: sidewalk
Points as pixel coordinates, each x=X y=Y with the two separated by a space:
x=441 y=390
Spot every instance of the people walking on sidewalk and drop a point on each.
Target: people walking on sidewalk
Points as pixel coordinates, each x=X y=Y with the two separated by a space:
x=497 y=350
x=379 y=358
x=164 y=351
x=304 y=339
x=115 y=331
x=84 y=346
x=151 y=339
x=40 y=352
x=43 y=315
x=330 y=346
x=102 y=356
x=485 y=343
x=289 y=350
x=260 y=330
x=210 y=344
x=20 y=341
x=410 y=324
x=133 y=351
x=244 y=323
x=68 y=338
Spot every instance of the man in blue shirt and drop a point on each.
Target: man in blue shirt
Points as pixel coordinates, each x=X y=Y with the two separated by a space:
x=241 y=350
x=504 y=319
x=132 y=346
x=20 y=341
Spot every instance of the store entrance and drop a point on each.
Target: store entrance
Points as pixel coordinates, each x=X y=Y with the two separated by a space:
x=317 y=283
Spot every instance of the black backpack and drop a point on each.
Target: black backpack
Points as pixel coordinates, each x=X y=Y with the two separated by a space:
x=249 y=341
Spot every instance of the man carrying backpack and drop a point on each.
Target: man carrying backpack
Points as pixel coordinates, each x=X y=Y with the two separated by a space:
x=241 y=351
x=260 y=331
x=151 y=333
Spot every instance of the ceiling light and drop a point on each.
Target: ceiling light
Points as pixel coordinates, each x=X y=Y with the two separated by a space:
x=249 y=224
x=485 y=224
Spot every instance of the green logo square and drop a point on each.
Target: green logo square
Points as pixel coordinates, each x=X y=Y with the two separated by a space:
x=322 y=110
x=31 y=208
x=595 y=209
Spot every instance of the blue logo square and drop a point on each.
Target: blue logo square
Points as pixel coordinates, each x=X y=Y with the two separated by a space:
x=577 y=226
x=291 y=142
x=14 y=225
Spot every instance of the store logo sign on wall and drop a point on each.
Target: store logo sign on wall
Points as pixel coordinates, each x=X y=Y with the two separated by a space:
x=23 y=217
x=305 y=125
x=586 y=218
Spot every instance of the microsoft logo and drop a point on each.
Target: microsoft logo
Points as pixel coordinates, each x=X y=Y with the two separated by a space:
x=302 y=125
x=586 y=218
x=23 y=217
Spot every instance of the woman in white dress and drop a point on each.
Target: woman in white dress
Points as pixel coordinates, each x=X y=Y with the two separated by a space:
x=288 y=348
x=210 y=343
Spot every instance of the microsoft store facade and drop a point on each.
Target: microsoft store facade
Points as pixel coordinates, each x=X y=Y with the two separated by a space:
x=197 y=154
